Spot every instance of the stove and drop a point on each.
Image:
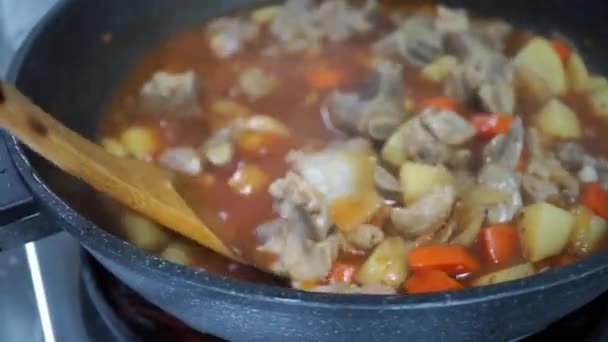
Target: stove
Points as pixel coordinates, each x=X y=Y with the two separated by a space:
x=52 y=290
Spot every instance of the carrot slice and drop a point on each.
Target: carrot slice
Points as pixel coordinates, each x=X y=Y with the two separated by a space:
x=595 y=198
x=562 y=49
x=451 y=259
x=500 y=243
x=325 y=78
x=442 y=102
x=430 y=281
x=490 y=125
x=343 y=272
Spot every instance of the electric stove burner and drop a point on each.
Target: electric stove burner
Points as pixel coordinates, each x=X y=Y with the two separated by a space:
x=129 y=317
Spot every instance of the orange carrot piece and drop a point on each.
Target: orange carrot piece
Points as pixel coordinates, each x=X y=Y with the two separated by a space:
x=430 y=281
x=500 y=243
x=490 y=125
x=562 y=49
x=451 y=259
x=343 y=272
x=325 y=78
x=595 y=198
x=442 y=102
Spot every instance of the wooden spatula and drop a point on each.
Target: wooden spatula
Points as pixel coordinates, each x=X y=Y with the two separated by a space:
x=140 y=186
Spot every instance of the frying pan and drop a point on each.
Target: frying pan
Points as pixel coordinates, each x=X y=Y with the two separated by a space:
x=65 y=67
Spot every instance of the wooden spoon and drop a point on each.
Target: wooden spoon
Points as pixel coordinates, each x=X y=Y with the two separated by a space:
x=141 y=186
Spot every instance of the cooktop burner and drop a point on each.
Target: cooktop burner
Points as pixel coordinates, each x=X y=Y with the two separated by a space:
x=129 y=317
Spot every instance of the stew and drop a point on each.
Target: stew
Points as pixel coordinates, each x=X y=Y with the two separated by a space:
x=371 y=148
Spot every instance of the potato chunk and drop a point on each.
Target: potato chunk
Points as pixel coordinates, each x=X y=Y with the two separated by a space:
x=588 y=231
x=387 y=265
x=144 y=233
x=439 y=69
x=598 y=101
x=577 y=73
x=141 y=142
x=540 y=57
x=394 y=151
x=557 y=120
x=418 y=179
x=545 y=230
x=507 y=274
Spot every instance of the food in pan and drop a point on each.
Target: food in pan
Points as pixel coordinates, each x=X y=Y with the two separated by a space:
x=360 y=147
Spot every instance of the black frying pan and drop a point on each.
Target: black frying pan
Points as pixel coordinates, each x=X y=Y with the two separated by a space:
x=65 y=68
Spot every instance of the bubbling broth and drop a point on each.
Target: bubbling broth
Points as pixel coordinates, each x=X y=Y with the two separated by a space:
x=360 y=147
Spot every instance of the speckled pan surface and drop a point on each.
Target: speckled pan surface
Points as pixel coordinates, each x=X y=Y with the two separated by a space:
x=65 y=68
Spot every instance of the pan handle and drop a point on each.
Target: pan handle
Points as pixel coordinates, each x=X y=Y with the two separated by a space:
x=20 y=218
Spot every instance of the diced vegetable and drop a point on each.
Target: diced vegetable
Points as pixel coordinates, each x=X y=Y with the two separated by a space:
x=265 y=14
x=179 y=253
x=453 y=259
x=595 y=198
x=326 y=78
x=430 y=281
x=596 y=82
x=589 y=230
x=500 y=243
x=144 y=233
x=259 y=144
x=544 y=230
x=598 y=100
x=439 y=69
x=114 y=147
x=576 y=71
x=562 y=49
x=490 y=125
x=229 y=110
x=470 y=219
x=394 y=151
x=531 y=87
x=508 y=274
x=342 y=272
x=557 y=120
x=264 y=124
x=141 y=142
x=442 y=102
x=540 y=57
x=248 y=179
x=219 y=154
x=387 y=265
x=418 y=179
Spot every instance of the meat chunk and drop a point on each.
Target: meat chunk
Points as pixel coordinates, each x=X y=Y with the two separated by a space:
x=448 y=127
x=182 y=159
x=426 y=215
x=452 y=20
x=506 y=149
x=300 y=25
x=539 y=189
x=485 y=77
x=377 y=117
x=174 y=92
x=227 y=36
x=416 y=41
x=339 y=21
x=432 y=137
x=545 y=165
x=504 y=180
x=293 y=193
x=299 y=257
x=255 y=83
x=492 y=32
x=571 y=154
